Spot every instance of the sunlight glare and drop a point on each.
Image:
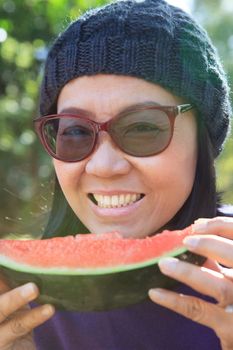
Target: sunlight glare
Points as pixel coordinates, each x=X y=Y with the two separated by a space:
x=186 y=5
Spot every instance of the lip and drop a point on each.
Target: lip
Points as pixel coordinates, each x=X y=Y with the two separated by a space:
x=116 y=212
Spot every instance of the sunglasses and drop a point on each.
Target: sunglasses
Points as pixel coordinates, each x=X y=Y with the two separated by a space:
x=141 y=132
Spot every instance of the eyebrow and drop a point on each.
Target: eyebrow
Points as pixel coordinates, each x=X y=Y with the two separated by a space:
x=75 y=110
x=87 y=113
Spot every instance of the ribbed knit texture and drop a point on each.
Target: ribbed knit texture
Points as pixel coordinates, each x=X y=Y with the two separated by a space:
x=147 y=39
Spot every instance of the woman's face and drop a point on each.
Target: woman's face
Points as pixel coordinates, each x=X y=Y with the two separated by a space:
x=112 y=176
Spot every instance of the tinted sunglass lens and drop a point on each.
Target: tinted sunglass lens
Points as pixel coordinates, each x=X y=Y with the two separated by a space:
x=69 y=139
x=143 y=133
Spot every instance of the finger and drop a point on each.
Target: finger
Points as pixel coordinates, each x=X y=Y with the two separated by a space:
x=193 y=308
x=221 y=225
x=228 y=273
x=212 y=265
x=213 y=247
x=16 y=298
x=24 y=343
x=201 y=279
x=23 y=323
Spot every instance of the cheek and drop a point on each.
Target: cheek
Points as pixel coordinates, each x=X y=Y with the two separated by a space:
x=68 y=175
x=171 y=189
x=179 y=176
x=171 y=174
x=181 y=165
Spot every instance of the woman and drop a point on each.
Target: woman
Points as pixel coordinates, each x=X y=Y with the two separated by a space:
x=134 y=110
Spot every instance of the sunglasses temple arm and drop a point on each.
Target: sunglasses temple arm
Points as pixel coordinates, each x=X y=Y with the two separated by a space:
x=184 y=108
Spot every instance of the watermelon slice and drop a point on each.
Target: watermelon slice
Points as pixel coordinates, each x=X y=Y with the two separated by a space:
x=90 y=271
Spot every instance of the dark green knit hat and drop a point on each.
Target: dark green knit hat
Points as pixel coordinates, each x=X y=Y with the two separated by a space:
x=147 y=39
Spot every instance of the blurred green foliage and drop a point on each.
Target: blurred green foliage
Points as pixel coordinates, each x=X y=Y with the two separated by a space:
x=216 y=16
x=27 y=28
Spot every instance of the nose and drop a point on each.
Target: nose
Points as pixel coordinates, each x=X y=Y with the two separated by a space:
x=107 y=160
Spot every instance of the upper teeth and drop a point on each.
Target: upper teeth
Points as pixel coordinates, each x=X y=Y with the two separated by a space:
x=116 y=201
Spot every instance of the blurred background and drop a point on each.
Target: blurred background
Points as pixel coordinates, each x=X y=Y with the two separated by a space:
x=27 y=28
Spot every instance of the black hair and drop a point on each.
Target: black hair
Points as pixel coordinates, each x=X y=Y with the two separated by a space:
x=203 y=200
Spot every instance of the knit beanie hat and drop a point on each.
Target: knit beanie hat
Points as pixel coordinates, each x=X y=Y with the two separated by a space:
x=147 y=39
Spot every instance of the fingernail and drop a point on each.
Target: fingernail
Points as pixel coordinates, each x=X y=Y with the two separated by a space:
x=47 y=310
x=156 y=294
x=28 y=290
x=191 y=242
x=168 y=264
x=199 y=226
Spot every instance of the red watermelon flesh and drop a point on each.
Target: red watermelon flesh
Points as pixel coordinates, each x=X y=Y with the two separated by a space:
x=90 y=253
x=91 y=272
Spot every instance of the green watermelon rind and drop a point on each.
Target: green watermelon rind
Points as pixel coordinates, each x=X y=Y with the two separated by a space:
x=22 y=267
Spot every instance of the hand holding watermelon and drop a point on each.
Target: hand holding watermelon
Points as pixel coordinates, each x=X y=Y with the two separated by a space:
x=17 y=320
x=216 y=243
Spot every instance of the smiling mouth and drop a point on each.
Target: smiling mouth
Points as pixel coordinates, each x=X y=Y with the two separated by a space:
x=115 y=201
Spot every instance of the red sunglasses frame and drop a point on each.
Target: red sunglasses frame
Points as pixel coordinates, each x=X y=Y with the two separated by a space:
x=171 y=111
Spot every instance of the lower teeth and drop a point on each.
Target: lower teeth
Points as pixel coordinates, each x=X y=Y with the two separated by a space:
x=114 y=206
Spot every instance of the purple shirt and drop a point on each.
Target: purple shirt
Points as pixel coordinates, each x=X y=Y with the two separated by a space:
x=144 y=326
